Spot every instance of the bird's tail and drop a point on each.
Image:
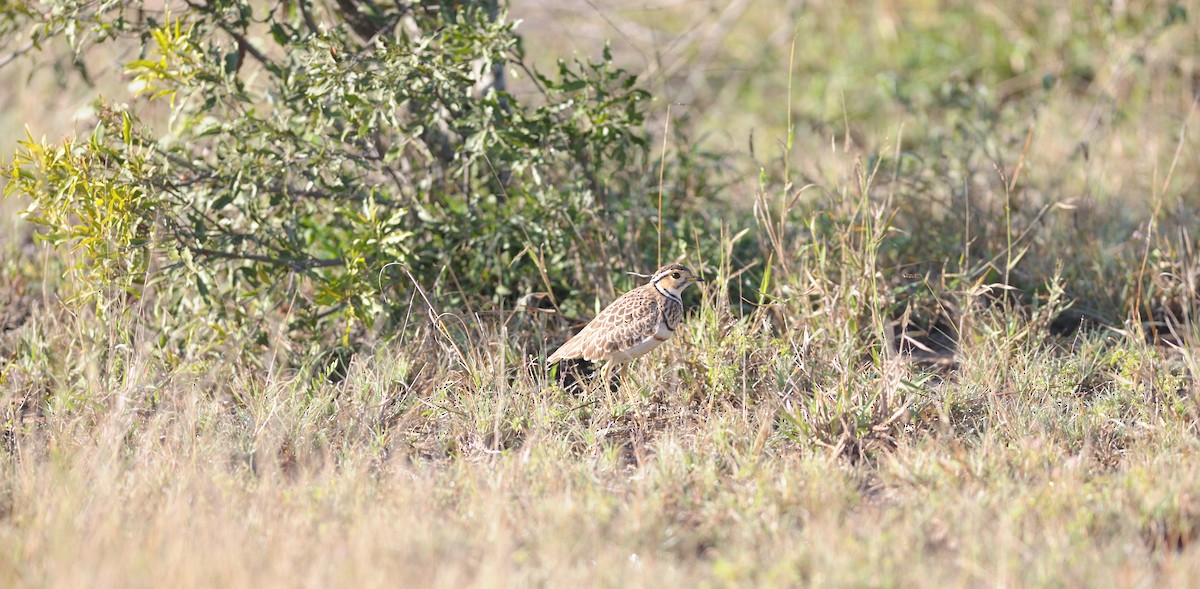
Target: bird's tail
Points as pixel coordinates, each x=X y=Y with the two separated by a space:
x=571 y=349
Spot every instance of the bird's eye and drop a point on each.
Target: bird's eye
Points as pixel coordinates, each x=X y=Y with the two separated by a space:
x=675 y=275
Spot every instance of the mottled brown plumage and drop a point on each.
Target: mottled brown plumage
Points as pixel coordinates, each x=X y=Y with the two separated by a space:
x=637 y=322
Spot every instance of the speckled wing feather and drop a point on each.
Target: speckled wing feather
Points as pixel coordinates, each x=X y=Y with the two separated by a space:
x=628 y=320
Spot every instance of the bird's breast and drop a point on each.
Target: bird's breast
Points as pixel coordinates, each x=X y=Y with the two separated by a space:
x=661 y=334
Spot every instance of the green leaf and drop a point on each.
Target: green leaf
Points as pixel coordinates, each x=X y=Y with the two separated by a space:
x=222 y=202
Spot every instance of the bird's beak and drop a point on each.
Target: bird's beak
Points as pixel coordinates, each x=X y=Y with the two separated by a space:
x=697 y=279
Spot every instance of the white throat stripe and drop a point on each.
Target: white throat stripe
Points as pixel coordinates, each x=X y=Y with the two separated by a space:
x=667 y=293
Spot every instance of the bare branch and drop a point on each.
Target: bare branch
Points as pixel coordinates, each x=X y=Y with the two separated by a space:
x=298 y=265
x=15 y=54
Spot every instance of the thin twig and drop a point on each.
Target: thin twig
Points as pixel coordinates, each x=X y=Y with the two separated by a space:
x=662 y=168
x=309 y=21
x=15 y=54
x=242 y=42
x=294 y=264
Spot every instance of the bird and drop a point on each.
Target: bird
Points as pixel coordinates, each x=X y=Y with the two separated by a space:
x=634 y=324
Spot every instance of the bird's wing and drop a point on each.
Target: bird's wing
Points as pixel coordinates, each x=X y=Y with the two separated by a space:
x=630 y=319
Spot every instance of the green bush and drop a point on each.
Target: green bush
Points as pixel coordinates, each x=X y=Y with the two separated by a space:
x=321 y=165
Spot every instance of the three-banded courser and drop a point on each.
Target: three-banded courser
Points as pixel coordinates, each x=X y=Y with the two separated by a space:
x=637 y=322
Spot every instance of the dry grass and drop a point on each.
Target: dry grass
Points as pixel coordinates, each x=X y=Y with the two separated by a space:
x=793 y=442
x=748 y=453
x=1030 y=464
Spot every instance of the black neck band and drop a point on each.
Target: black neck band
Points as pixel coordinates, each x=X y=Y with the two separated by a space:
x=667 y=293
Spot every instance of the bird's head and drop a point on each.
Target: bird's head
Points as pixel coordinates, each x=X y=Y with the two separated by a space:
x=674 y=278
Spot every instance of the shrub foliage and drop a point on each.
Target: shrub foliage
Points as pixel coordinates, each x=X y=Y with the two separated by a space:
x=327 y=161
